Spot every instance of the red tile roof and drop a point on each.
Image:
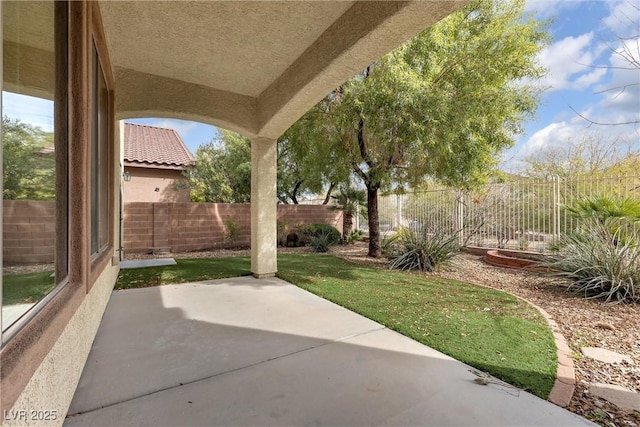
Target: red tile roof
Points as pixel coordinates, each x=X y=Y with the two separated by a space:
x=150 y=146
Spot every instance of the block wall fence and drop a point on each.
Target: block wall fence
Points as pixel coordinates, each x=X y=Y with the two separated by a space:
x=184 y=227
x=28 y=231
x=29 y=226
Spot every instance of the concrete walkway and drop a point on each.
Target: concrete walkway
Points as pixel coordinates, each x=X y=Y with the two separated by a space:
x=263 y=352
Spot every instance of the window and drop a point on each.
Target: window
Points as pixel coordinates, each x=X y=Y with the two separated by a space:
x=100 y=160
x=35 y=158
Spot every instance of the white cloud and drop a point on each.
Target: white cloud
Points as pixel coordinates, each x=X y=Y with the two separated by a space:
x=623 y=18
x=545 y=9
x=558 y=134
x=572 y=63
x=621 y=95
x=183 y=127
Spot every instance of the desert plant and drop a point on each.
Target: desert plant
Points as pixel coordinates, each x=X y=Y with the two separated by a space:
x=388 y=243
x=603 y=207
x=308 y=231
x=231 y=230
x=419 y=250
x=601 y=259
x=354 y=236
x=351 y=201
x=322 y=241
x=282 y=228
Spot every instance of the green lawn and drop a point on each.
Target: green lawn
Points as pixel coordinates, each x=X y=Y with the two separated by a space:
x=487 y=329
x=25 y=288
x=185 y=270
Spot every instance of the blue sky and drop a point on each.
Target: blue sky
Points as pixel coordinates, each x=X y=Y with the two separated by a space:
x=585 y=73
x=582 y=75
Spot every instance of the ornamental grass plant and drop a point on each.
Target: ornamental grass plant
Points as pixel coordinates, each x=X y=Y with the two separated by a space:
x=601 y=259
x=420 y=250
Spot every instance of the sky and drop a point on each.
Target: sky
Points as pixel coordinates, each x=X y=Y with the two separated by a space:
x=585 y=74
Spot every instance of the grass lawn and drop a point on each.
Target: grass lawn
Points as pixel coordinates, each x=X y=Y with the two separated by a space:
x=490 y=330
x=25 y=288
x=185 y=270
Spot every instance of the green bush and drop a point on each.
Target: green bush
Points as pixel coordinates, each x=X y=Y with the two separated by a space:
x=419 y=250
x=601 y=259
x=308 y=232
x=322 y=241
x=354 y=236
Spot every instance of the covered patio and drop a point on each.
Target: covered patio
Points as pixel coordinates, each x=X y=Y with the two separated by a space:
x=245 y=351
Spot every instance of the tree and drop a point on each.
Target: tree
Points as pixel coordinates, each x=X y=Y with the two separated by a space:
x=28 y=167
x=443 y=105
x=349 y=200
x=306 y=166
x=222 y=171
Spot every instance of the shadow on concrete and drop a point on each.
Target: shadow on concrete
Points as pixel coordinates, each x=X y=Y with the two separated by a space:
x=220 y=353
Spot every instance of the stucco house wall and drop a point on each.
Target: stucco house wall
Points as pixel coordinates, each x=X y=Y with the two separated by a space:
x=151 y=185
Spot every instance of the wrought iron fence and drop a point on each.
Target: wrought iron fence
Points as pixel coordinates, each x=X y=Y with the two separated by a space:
x=526 y=214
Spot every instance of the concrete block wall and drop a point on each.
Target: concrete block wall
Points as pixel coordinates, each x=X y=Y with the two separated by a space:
x=28 y=231
x=137 y=227
x=198 y=226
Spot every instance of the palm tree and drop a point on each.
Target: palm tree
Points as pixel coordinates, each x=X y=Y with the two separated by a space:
x=350 y=201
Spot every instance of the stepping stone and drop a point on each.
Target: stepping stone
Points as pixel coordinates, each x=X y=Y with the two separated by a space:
x=604 y=355
x=142 y=263
x=619 y=396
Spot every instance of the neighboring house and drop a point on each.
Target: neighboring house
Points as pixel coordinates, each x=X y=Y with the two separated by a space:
x=253 y=67
x=154 y=161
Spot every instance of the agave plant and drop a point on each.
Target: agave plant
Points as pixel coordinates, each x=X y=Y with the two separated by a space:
x=602 y=260
x=420 y=250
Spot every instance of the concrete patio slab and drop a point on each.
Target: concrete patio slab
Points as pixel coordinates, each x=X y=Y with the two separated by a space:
x=142 y=263
x=264 y=352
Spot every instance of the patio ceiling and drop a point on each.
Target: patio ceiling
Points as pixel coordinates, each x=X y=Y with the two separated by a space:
x=254 y=67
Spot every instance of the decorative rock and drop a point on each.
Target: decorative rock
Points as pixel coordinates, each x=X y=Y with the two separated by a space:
x=604 y=355
x=619 y=396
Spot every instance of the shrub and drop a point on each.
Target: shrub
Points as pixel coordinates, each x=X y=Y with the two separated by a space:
x=354 y=236
x=322 y=241
x=231 y=229
x=309 y=231
x=602 y=260
x=419 y=250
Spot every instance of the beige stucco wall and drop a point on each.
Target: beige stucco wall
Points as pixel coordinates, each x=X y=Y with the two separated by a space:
x=155 y=185
x=53 y=384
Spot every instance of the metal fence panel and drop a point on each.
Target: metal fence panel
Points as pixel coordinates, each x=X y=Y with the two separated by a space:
x=527 y=214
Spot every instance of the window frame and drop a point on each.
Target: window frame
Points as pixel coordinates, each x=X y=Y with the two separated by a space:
x=61 y=142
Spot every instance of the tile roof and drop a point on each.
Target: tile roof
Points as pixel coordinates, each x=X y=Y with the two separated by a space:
x=151 y=146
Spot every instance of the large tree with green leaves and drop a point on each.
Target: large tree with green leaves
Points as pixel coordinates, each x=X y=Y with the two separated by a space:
x=222 y=171
x=306 y=164
x=443 y=105
x=28 y=162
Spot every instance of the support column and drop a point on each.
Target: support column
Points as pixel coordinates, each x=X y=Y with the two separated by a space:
x=264 y=250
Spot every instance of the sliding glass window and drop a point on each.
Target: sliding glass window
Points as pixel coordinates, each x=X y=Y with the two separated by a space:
x=34 y=158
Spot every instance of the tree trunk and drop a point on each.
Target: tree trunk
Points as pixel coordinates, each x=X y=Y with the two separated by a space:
x=328 y=196
x=347 y=224
x=374 y=224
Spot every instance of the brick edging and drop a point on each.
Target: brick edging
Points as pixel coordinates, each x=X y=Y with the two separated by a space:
x=565 y=383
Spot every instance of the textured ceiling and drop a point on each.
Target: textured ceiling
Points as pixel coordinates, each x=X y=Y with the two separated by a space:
x=235 y=46
x=250 y=66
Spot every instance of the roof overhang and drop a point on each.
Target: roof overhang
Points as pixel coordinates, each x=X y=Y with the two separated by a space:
x=250 y=66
